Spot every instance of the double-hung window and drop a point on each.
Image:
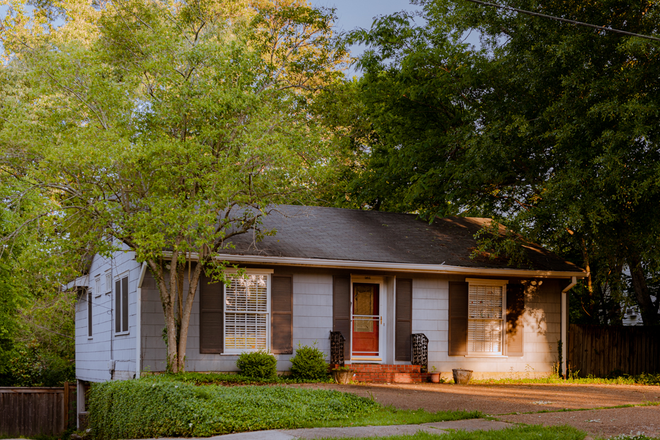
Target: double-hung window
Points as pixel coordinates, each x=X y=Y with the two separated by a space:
x=246 y=310
x=486 y=306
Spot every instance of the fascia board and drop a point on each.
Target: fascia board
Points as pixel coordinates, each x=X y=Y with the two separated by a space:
x=403 y=267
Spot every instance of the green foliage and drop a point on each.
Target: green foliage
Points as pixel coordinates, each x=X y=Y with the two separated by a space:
x=257 y=365
x=496 y=241
x=163 y=127
x=309 y=363
x=151 y=408
x=530 y=432
x=231 y=379
x=550 y=126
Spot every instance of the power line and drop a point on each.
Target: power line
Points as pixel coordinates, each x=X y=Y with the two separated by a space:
x=566 y=20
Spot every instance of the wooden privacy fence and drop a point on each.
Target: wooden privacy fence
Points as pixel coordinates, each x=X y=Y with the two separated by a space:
x=29 y=412
x=599 y=351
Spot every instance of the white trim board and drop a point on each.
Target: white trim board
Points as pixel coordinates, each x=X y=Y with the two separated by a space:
x=404 y=267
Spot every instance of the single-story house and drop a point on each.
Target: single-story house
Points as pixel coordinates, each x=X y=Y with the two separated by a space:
x=378 y=278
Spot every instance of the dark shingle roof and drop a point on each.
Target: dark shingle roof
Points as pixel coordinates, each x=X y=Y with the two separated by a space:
x=355 y=235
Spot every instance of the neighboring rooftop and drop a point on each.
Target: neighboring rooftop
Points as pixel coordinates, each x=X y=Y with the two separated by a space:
x=374 y=236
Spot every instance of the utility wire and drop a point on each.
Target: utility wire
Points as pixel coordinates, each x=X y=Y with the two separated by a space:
x=566 y=20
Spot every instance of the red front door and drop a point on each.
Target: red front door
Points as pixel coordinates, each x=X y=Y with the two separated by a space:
x=366 y=319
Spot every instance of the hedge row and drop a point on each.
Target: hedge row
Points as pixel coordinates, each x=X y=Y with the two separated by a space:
x=151 y=408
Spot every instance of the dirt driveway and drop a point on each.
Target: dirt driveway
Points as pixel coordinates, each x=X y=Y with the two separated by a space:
x=509 y=402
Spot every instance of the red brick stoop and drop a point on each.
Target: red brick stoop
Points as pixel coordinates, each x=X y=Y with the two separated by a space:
x=377 y=373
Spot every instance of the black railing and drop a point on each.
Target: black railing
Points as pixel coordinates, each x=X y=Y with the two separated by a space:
x=337 y=348
x=419 y=345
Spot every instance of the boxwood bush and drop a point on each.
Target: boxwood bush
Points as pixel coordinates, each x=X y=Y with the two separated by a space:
x=258 y=365
x=309 y=363
x=152 y=408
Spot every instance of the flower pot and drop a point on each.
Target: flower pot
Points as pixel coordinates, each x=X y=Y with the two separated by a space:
x=342 y=376
x=461 y=377
x=434 y=377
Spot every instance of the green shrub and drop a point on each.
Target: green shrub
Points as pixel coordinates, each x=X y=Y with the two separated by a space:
x=309 y=363
x=258 y=364
x=153 y=408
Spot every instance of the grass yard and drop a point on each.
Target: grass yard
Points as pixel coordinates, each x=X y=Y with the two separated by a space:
x=519 y=433
x=391 y=416
x=639 y=379
x=156 y=406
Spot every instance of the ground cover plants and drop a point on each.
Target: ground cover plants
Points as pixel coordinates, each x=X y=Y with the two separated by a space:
x=163 y=406
x=151 y=408
x=229 y=379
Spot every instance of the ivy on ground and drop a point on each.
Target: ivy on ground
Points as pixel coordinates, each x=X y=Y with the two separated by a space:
x=152 y=408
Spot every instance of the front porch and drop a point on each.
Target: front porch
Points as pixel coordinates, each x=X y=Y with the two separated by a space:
x=375 y=372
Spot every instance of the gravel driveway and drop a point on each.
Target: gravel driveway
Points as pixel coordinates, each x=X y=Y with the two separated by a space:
x=507 y=402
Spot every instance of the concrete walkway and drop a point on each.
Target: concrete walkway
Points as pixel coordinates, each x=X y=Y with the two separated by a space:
x=365 y=431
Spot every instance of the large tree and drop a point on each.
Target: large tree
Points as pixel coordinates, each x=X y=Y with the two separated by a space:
x=165 y=127
x=548 y=125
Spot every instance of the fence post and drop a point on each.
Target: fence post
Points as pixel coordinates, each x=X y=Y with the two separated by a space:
x=65 y=407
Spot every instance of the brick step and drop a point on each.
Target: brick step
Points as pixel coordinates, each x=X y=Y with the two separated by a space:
x=377 y=373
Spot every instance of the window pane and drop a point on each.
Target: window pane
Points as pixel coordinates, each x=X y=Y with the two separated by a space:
x=245 y=331
x=249 y=294
x=485 y=336
x=485 y=302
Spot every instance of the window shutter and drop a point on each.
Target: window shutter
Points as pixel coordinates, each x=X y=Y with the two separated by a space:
x=281 y=335
x=515 y=306
x=89 y=313
x=211 y=298
x=403 y=330
x=341 y=309
x=118 y=306
x=458 y=318
x=124 y=304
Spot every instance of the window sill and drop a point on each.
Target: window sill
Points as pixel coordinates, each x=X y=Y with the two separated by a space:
x=489 y=356
x=123 y=334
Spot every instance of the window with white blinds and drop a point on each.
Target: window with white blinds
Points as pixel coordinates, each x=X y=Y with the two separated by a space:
x=247 y=303
x=485 y=319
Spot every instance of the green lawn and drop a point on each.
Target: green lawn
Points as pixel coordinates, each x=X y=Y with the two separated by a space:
x=392 y=416
x=518 y=433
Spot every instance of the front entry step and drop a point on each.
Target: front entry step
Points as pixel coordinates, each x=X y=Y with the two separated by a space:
x=377 y=373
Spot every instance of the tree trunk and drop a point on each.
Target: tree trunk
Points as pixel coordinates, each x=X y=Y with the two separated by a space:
x=185 y=316
x=167 y=299
x=648 y=309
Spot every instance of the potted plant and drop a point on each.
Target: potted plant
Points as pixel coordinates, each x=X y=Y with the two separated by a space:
x=434 y=375
x=342 y=375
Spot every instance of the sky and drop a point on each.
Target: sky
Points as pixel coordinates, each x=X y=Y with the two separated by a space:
x=353 y=14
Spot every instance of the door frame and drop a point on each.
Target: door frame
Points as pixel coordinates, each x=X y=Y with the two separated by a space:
x=382 y=306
